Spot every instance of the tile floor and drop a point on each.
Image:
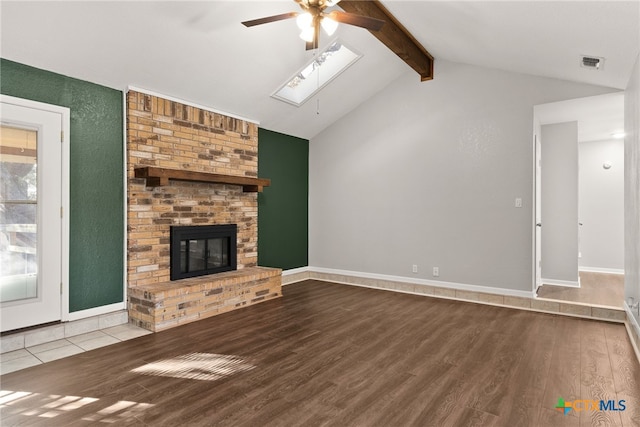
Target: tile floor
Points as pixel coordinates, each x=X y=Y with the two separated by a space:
x=43 y=353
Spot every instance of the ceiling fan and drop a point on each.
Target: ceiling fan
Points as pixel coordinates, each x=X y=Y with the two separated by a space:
x=313 y=17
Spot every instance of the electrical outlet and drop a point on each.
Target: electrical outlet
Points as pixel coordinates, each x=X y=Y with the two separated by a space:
x=436 y=272
x=414 y=268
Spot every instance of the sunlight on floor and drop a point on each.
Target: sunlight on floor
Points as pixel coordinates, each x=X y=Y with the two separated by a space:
x=119 y=411
x=53 y=405
x=197 y=366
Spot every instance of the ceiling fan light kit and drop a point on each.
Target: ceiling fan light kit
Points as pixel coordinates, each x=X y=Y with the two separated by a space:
x=329 y=25
x=313 y=17
x=368 y=14
x=308 y=28
x=307 y=34
x=304 y=20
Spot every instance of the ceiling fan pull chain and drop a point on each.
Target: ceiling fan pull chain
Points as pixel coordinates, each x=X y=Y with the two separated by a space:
x=318 y=107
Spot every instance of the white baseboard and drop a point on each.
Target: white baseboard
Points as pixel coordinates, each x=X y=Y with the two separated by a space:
x=82 y=314
x=416 y=281
x=601 y=270
x=567 y=283
x=632 y=324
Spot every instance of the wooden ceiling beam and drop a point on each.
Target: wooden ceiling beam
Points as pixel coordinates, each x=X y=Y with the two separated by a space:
x=394 y=35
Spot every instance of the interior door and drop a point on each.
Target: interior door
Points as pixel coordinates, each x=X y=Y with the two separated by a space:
x=30 y=215
x=538 y=219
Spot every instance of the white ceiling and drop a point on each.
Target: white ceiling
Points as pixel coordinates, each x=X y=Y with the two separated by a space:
x=598 y=117
x=544 y=38
x=198 y=51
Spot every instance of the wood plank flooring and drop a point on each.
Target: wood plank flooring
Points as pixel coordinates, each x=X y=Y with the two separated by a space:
x=335 y=355
x=595 y=288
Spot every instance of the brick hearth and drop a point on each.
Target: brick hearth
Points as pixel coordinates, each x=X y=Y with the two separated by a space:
x=164 y=305
x=168 y=134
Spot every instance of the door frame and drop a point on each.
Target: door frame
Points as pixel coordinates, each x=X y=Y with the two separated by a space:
x=65 y=114
x=537 y=210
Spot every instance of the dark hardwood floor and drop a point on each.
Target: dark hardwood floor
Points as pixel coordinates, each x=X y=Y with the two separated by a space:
x=336 y=355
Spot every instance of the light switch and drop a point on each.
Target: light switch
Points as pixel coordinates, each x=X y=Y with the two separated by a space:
x=518 y=202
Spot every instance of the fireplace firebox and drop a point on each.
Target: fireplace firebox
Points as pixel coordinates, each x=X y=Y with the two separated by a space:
x=202 y=249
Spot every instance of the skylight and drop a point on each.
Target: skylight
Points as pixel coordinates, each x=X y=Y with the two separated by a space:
x=324 y=67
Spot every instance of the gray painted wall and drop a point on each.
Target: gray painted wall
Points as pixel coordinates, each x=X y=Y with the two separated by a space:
x=632 y=187
x=601 y=205
x=560 y=202
x=427 y=174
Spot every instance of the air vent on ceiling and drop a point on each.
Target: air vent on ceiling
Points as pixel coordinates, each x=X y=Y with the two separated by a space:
x=591 y=62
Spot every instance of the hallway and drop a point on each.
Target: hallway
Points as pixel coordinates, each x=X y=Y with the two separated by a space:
x=595 y=288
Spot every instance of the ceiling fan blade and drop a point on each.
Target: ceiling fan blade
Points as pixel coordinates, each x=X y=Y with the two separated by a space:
x=371 y=24
x=268 y=19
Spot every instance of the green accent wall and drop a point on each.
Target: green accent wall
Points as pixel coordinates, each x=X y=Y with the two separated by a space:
x=283 y=212
x=96 y=238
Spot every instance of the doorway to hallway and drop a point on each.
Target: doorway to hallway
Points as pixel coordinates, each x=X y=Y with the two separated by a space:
x=584 y=239
x=604 y=289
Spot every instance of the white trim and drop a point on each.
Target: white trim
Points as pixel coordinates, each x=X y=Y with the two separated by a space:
x=601 y=270
x=632 y=324
x=6 y=99
x=438 y=284
x=65 y=171
x=567 y=283
x=534 y=241
x=96 y=311
x=66 y=228
x=125 y=183
x=192 y=104
x=631 y=318
x=293 y=271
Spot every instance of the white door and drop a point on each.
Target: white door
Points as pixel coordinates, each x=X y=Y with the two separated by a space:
x=538 y=219
x=31 y=224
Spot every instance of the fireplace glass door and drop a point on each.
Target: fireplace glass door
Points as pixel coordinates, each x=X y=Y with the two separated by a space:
x=203 y=254
x=201 y=250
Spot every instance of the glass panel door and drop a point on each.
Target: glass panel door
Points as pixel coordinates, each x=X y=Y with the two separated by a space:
x=31 y=220
x=18 y=213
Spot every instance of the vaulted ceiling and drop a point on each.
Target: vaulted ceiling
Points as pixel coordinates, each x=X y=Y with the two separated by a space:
x=199 y=51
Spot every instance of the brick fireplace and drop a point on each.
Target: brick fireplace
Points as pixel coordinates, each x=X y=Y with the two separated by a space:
x=175 y=139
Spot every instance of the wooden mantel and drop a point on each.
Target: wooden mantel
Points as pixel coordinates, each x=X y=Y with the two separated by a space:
x=160 y=176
